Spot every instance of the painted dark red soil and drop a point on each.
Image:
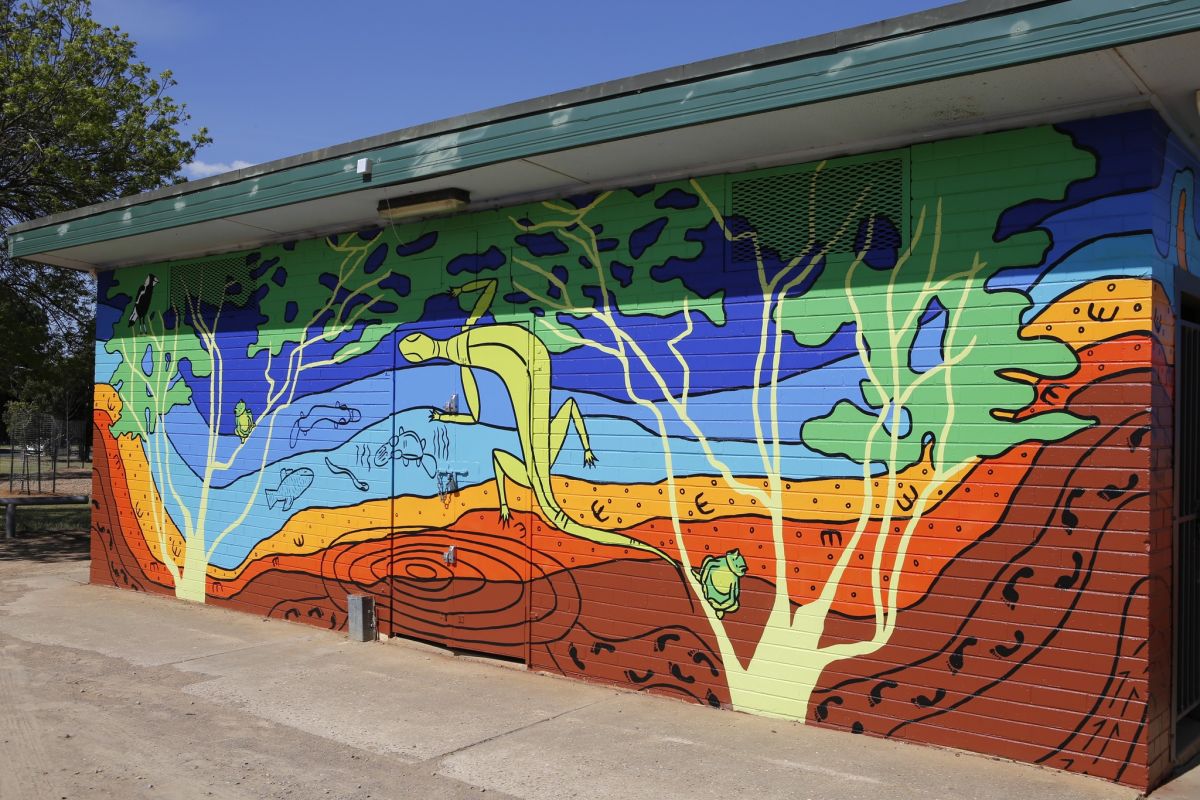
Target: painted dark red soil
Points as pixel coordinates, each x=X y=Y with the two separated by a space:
x=1040 y=616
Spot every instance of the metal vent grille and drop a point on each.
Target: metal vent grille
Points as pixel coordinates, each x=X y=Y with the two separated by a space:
x=829 y=206
x=213 y=283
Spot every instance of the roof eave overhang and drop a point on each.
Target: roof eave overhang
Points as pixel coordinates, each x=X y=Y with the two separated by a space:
x=517 y=152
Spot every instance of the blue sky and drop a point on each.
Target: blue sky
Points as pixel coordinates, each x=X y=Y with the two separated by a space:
x=274 y=78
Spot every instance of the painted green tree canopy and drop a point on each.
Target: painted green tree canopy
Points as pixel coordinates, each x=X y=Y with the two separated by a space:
x=940 y=285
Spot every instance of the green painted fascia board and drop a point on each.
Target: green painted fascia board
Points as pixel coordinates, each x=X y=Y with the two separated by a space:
x=1022 y=36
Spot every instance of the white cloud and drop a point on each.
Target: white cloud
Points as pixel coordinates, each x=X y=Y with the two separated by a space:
x=203 y=169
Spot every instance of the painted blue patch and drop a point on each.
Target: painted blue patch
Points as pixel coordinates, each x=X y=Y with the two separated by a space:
x=492 y=258
x=375 y=259
x=645 y=236
x=367 y=234
x=677 y=198
x=279 y=277
x=593 y=293
x=260 y=268
x=290 y=311
x=927 y=349
x=397 y=282
x=705 y=350
x=289 y=246
x=384 y=307
x=605 y=245
x=106 y=363
x=148 y=361
x=640 y=191
x=418 y=245
x=1124 y=146
x=109 y=310
x=582 y=200
x=884 y=240
x=542 y=244
x=622 y=272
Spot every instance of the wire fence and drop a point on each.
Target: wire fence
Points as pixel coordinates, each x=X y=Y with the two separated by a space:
x=39 y=446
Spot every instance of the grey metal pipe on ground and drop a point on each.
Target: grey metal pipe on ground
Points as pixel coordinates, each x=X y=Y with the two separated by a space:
x=10 y=513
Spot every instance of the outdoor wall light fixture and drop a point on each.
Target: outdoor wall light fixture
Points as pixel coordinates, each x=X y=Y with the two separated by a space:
x=424 y=204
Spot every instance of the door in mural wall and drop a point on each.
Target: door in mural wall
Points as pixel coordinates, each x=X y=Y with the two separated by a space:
x=460 y=549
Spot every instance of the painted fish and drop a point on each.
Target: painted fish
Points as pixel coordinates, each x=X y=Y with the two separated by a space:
x=338 y=415
x=292 y=484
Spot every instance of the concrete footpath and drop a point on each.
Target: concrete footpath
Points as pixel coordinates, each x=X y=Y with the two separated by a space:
x=113 y=694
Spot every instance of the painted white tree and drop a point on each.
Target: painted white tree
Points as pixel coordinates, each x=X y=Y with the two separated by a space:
x=165 y=330
x=944 y=416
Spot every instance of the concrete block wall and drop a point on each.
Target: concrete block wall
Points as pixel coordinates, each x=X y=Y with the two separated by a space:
x=867 y=444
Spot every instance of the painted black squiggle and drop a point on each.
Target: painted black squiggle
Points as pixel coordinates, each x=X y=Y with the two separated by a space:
x=573 y=652
x=823 y=709
x=660 y=643
x=955 y=662
x=636 y=678
x=1067 y=581
x=1112 y=492
x=876 y=695
x=1010 y=593
x=678 y=673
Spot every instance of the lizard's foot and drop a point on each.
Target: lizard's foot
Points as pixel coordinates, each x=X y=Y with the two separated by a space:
x=435 y=415
x=504 y=515
x=589 y=458
x=454 y=291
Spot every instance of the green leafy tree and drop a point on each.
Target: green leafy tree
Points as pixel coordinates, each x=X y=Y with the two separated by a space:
x=81 y=121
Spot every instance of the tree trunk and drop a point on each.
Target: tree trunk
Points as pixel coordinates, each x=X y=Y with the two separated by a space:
x=192 y=584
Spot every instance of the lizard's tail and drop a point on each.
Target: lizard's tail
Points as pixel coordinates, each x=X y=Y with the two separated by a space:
x=610 y=538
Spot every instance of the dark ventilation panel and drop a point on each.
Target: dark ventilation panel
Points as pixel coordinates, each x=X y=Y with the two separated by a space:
x=831 y=206
x=213 y=283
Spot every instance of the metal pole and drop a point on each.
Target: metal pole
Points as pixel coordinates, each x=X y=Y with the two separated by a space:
x=10 y=521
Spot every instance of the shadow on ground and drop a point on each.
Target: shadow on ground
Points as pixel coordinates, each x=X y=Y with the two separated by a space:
x=46 y=546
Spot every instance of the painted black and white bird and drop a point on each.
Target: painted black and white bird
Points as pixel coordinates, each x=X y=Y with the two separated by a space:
x=141 y=303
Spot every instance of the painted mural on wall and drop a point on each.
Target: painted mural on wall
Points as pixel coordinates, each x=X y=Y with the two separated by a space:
x=853 y=461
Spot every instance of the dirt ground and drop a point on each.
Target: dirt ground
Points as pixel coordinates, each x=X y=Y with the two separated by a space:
x=114 y=694
x=79 y=724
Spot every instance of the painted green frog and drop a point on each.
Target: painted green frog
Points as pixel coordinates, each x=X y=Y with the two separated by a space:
x=720 y=578
x=243 y=420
